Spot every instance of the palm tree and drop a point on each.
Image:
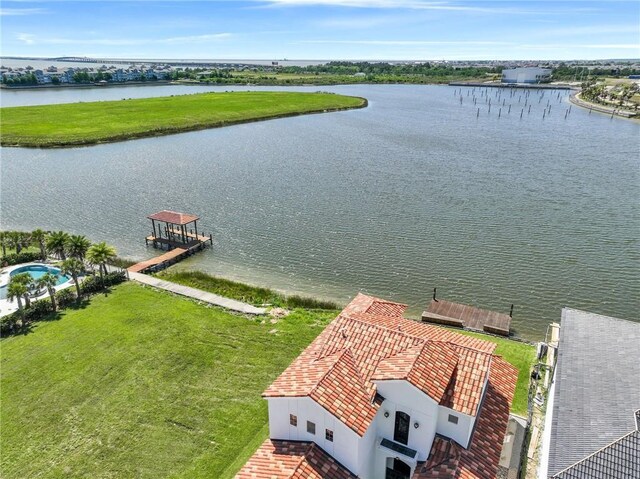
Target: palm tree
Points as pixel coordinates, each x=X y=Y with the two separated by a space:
x=49 y=281
x=25 y=282
x=23 y=241
x=16 y=290
x=56 y=243
x=74 y=267
x=99 y=254
x=4 y=241
x=13 y=239
x=77 y=246
x=40 y=237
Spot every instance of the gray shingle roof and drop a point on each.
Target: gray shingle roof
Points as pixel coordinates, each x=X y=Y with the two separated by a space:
x=618 y=460
x=597 y=386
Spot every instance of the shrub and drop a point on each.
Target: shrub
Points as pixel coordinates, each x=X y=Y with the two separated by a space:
x=9 y=324
x=38 y=310
x=94 y=284
x=121 y=262
x=65 y=297
x=22 y=257
x=309 y=303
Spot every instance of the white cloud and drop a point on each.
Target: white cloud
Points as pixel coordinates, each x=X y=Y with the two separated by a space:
x=14 y=12
x=26 y=38
x=196 y=38
x=31 y=39
x=403 y=42
x=398 y=4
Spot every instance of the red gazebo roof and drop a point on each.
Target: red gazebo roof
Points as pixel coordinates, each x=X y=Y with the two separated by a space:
x=173 y=217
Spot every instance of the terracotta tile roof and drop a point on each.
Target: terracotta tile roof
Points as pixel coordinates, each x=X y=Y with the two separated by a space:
x=173 y=217
x=343 y=393
x=369 y=304
x=464 y=393
x=292 y=460
x=480 y=461
x=371 y=339
x=429 y=367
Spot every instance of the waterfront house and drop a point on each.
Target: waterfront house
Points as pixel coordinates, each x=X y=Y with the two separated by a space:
x=592 y=430
x=379 y=396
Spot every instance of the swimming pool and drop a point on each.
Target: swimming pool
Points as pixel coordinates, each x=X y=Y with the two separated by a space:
x=36 y=271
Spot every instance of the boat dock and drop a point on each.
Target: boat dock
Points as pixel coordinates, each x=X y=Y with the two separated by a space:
x=464 y=316
x=171 y=231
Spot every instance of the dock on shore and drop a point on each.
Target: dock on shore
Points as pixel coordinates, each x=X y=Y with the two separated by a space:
x=176 y=232
x=464 y=316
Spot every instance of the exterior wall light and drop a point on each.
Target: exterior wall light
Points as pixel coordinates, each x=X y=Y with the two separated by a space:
x=416 y=425
x=386 y=414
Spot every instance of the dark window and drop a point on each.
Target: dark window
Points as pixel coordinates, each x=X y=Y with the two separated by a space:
x=328 y=434
x=453 y=419
x=293 y=419
x=401 y=431
x=311 y=427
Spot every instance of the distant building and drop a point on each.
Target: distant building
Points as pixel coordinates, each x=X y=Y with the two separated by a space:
x=529 y=75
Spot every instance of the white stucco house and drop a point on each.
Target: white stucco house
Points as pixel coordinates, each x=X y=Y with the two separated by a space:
x=378 y=396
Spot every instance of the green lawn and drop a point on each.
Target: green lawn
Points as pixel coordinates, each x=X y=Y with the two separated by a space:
x=97 y=122
x=142 y=384
x=520 y=355
x=523 y=357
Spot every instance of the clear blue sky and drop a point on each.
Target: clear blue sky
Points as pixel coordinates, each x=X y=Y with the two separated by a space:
x=323 y=29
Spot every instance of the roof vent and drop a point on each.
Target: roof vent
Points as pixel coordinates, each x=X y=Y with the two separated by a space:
x=637 y=420
x=344 y=332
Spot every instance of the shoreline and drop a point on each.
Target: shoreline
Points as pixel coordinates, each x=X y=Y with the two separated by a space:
x=165 y=131
x=575 y=99
x=86 y=85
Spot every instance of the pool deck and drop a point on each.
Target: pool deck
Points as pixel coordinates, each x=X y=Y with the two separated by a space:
x=8 y=307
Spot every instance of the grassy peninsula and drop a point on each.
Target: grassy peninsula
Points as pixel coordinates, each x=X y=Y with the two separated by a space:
x=75 y=124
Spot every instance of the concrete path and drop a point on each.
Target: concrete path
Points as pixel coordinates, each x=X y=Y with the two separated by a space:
x=198 y=294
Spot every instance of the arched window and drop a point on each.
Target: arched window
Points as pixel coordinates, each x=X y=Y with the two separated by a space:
x=401 y=431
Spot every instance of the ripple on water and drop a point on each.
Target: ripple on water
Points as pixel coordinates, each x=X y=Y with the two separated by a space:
x=411 y=193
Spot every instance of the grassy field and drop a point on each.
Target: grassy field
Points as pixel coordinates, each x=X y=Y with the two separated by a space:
x=521 y=355
x=142 y=384
x=100 y=122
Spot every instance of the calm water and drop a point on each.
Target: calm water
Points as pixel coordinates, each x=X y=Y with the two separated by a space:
x=411 y=193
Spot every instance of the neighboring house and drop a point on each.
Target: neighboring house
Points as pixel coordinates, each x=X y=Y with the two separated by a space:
x=378 y=396
x=594 y=432
x=526 y=75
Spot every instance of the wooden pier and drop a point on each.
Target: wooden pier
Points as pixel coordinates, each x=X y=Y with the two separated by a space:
x=171 y=231
x=467 y=317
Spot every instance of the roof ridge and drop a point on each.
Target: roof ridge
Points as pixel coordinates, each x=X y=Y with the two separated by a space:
x=339 y=354
x=348 y=316
x=596 y=452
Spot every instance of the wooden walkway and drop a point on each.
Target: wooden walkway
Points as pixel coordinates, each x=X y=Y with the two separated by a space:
x=468 y=317
x=198 y=294
x=164 y=260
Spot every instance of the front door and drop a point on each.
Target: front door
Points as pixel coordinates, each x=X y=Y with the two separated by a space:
x=401 y=431
x=399 y=470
